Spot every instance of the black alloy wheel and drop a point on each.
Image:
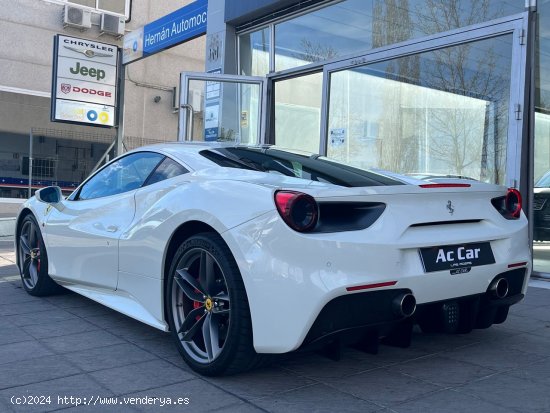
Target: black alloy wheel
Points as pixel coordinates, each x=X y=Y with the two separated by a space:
x=208 y=308
x=33 y=260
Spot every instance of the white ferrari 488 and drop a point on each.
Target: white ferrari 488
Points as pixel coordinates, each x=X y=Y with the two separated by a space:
x=244 y=251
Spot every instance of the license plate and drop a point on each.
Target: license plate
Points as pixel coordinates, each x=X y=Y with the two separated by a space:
x=452 y=257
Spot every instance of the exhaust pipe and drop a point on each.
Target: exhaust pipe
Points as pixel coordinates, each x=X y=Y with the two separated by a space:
x=404 y=305
x=499 y=288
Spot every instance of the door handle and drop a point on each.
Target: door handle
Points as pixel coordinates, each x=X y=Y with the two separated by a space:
x=112 y=228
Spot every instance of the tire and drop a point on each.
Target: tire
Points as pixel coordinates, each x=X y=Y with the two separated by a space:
x=206 y=298
x=33 y=260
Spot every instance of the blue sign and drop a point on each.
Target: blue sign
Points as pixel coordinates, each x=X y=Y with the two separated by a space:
x=174 y=28
x=211 y=134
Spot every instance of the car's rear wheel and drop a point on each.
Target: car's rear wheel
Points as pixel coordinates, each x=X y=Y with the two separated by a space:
x=208 y=308
x=33 y=260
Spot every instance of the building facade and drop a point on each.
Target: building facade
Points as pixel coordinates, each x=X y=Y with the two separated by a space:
x=64 y=153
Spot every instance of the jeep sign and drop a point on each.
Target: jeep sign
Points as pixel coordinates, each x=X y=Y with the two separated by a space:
x=86 y=71
x=84 y=86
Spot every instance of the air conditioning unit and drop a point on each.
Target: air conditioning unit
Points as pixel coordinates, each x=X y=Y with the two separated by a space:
x=112 y=24
x=77 y=17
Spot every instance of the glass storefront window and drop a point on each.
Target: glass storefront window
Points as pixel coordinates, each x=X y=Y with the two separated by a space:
x=437 y=113
x=298 y=112
x=541 y=175
x=254 y=52
x=224 y=111
x=355 y=26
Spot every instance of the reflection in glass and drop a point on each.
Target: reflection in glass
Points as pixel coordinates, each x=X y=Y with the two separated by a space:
x=126 y=174
x=225 y=111
x=254 y=52
x=541 y=198
x=298 y=112
x=355 y=26
x=443 y=112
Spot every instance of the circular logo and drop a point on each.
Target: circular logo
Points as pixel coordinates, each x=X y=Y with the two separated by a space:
x=135 y=46
x=104 y=117
x=208 y=304
x=91 y=115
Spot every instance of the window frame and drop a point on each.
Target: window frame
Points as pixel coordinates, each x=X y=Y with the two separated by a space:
x=274 y=19
x=95 y=9
x=146 y=182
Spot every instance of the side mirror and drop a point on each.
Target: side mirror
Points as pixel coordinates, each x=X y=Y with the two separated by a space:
x=49 y=195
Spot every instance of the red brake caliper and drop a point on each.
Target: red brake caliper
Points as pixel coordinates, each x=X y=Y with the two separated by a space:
x=197 y=304
x=38 y=264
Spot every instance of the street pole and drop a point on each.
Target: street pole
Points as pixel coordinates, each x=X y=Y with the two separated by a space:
x=30 y=163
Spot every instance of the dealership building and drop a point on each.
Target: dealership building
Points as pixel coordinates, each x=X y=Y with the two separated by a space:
x=66 y=153
x=419 y=87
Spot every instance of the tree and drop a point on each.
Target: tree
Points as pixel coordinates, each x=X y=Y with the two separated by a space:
x=461 y=137
x=315 y=52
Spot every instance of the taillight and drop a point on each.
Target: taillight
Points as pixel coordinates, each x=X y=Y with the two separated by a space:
x=509 y=205
x=298 y=210
x=513 y=202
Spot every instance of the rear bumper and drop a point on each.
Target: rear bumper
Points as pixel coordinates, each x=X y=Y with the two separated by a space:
x=351 y=317
x=290 y=277
x=350 y=314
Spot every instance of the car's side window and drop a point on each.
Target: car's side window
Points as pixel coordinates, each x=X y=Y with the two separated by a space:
x=124 y=175
x=166 y=170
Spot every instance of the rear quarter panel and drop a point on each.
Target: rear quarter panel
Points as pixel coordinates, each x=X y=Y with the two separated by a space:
x=162 y=207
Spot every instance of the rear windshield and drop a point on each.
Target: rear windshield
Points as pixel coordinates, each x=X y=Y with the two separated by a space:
x=313 y=168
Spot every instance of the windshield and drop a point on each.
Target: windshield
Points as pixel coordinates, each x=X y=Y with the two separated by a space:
x=313 y=167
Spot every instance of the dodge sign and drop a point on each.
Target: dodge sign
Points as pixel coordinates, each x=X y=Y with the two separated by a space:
x=84 y=85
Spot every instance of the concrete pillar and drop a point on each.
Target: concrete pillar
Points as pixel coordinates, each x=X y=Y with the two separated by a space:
x=220 y=40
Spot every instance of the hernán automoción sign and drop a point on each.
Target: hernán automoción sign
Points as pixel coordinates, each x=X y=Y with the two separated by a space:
x=84 y=83
x=175 y=28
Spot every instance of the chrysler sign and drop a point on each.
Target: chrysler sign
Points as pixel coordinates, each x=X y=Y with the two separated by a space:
x=84 y=84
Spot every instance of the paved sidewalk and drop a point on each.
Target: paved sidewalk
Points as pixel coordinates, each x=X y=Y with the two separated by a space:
x=69 y=346
x=7 y=259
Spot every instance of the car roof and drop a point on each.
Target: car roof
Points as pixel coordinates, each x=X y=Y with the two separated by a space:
x=189 y=152
x=185 y=146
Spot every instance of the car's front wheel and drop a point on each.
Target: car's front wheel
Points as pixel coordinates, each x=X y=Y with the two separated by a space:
x=208 y=308
x=33 y=260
